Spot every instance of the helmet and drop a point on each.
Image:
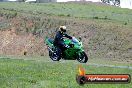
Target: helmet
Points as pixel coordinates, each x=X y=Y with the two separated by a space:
x=63 y=28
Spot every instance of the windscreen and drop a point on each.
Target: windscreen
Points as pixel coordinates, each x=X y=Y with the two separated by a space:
x=74 y=40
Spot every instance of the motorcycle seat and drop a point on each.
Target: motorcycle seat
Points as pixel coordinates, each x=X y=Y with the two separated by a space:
x=50 y=40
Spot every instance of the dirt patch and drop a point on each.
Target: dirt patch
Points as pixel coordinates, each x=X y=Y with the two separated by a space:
x=13 y=44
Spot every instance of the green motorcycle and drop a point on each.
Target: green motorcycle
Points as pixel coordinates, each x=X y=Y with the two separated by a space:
x=74 y=52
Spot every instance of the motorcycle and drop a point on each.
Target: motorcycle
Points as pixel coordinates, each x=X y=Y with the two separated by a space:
x=74 y=52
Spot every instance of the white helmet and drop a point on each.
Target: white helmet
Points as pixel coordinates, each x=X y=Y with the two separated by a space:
x=63 y=28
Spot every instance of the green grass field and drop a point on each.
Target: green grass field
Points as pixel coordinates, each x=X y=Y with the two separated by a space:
x=88 y=10
x=41 y=72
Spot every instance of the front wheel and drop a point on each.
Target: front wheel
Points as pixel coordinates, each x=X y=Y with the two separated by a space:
x=82 y=57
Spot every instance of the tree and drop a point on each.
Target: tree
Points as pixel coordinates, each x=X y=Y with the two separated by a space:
x=112 y=2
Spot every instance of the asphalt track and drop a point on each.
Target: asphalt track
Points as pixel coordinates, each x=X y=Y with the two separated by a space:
x=102 y=65
x=92 y=64
x=112 y=66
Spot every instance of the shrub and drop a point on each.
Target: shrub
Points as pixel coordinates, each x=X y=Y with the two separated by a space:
x=96 y=17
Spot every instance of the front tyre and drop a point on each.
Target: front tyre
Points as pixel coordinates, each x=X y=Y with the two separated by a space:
x=55 y=55
x=82 y=57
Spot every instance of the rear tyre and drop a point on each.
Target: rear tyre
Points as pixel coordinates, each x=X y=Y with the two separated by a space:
x=82 y=57
x=55 y=55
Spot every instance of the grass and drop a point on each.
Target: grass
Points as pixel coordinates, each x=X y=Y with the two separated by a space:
x=72 y=10
x=40 y=72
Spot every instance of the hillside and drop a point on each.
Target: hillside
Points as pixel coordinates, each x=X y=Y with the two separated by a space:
x=106 y=31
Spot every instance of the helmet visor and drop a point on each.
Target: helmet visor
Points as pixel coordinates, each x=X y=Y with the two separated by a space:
x=64 y=30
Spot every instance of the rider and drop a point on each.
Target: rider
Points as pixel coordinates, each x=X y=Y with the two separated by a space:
x=59 y=38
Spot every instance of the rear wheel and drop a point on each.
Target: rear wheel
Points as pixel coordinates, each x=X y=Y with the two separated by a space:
x=82 y=57
x=55 y=55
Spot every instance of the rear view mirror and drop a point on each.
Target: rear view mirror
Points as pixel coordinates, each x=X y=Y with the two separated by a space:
x=80 y=39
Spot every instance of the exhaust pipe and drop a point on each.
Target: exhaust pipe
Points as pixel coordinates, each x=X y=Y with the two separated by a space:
x=50 y=49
